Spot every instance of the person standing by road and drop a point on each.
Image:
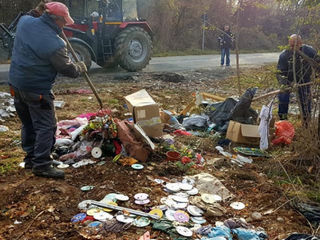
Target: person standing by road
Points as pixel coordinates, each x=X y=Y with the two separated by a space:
x=226 y=40
x=303 y=71
x=38 y=55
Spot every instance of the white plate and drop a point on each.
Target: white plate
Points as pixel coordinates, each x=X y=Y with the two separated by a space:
x=142 y=202
x=210 y=198
x=198 y=220
x=180 y=199
x=141 y=196
x=124 y=219
x=193 y=191
x=122 y=197
x=173 y=187
x=180 y=205
x=183 y=231
x=186 y=186
x=102 y=216
x=181 y=194
x=85 y=205
x=141 y=222
x=194 y=211
x=170 y=215
x=237 y=205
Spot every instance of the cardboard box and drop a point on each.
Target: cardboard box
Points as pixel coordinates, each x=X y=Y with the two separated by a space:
x=145 y=112
x=243 y=133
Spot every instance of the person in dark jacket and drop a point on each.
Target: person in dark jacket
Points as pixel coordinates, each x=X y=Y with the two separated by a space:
x=38 y=55
x=39 y=10
x=303 y=71
x=226 y=41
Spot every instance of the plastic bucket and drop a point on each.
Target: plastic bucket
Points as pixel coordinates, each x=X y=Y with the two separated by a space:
x=173 y=156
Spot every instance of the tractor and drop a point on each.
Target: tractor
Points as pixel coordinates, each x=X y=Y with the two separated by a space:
x=108 y=32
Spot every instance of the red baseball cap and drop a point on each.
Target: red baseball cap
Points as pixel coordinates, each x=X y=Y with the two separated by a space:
x=59 y=9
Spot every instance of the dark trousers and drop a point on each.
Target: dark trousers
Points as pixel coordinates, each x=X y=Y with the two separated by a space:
x=225 y=53
x=37 y=115
x=304 y=95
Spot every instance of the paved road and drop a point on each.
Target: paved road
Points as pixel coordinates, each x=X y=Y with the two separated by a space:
x=187 y=63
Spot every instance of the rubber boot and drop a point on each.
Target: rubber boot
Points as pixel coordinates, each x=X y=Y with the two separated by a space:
x=48 y=172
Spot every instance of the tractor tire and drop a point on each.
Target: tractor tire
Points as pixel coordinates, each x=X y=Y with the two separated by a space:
x=133 y=49
x=82 y=53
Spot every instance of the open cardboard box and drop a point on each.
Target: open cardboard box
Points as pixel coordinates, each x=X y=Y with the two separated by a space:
x=145 y=112
x=246 y=133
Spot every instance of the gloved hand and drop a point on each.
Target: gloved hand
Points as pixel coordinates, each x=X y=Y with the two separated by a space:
x=81 y=67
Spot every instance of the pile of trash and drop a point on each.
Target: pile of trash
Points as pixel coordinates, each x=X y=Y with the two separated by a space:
x=7 y=108
x=181 y=214
x=95 y=136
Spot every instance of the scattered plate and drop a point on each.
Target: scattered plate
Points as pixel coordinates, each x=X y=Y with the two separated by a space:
x=159 y=181
x=124 y=219
x=198 y=220
x=102 y=216
x=193 y=191
x=110 y=203
x=93 y=211
x=183 y=231
x=142 y=202
x=210 y=198
x=181 y=216
x=194 y=211
x=173 y=187
x=141 y=196
x=137 y=166
x=96 y=152
x=181 y=194
x=94 y=224
x=186 y=186
x=180 y=205
x=237 y=205
x=86 y=188
x=78 y=218
x=122 y=197
x=141 y=222
x=170 y=215
x=110 y=197
x=84 y=205
x=62 y=166
x=156 y=211
x=180 y=199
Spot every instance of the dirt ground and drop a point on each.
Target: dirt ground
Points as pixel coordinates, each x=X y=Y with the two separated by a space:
x=44 y=207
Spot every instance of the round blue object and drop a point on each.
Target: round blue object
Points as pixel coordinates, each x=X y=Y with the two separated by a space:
x=94 y=224
x=78 y=218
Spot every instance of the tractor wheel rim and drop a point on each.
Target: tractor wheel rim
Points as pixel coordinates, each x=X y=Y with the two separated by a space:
x=136 y=50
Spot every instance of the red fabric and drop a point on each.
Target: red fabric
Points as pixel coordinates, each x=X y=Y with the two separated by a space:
x=182 y=133
x=284 y=133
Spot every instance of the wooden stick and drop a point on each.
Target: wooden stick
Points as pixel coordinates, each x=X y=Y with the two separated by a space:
x=135 y=212
x=29 y=225
x=86 y=76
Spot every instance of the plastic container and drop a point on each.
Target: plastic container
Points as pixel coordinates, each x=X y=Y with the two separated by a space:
x=173 y=156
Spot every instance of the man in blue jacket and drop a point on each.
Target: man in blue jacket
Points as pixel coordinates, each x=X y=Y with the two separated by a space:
x=303 y=71
x=38 y=55
x=226 y=40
